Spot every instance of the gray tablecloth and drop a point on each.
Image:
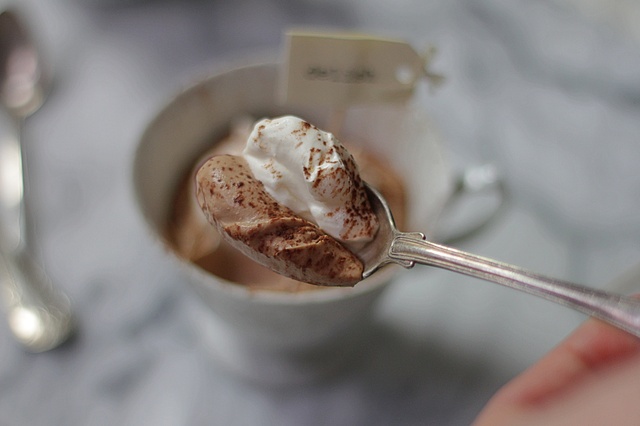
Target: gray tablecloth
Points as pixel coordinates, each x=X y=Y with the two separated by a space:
x=548 y=91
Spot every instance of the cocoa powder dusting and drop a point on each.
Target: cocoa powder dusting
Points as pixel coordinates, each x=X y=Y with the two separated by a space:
x=268 y=232
x=196 y=241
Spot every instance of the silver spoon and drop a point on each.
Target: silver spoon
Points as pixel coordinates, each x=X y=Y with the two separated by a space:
x=406 y=249
x=38 y=314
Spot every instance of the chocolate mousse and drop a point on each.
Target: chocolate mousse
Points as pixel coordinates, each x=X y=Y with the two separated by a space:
x=192 y=237
x=268 y=232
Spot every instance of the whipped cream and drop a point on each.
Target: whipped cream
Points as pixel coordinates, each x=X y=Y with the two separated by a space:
x=310 y=172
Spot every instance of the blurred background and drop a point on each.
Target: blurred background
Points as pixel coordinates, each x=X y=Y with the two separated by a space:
x=547 y=91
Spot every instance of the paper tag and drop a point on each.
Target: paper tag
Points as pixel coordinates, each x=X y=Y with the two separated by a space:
x=340 y=69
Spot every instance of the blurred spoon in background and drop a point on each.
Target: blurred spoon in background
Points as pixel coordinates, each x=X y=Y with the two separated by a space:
x=38 y=314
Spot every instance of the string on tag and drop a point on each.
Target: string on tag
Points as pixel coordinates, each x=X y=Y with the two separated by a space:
x=435 y=79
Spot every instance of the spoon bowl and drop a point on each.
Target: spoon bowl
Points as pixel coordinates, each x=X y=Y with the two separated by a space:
x=407 y=249
x=23 y=80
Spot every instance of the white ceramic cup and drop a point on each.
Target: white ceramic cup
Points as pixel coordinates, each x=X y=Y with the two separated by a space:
x=280 y=336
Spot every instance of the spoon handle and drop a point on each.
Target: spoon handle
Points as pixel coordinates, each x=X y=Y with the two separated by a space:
x=620 y=311
x=39 y=314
